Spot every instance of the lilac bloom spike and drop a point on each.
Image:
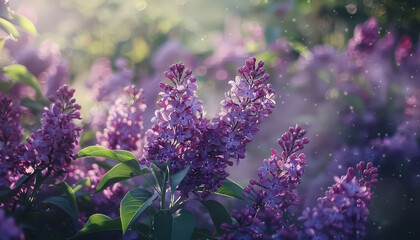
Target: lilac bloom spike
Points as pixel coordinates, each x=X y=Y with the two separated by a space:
x=10 y=136
x=343 y=212
x=271 y=194
x=182 y=136
x=52 y=145
x=125 y=122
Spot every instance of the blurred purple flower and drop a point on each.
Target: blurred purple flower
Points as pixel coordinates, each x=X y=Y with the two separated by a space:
x=364 y=39
x=108 y=85
x=8 y=228
x=125 y=122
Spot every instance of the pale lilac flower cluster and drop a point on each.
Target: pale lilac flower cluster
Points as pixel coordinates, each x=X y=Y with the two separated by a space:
x=10 y=136
x=181 y=135
x=178 y=125
x=8 y=228
x=272 y=193
x=125 y=122
x=343 y=212
x=52 y=145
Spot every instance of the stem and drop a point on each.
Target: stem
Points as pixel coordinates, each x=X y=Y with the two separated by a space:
x=163 y=193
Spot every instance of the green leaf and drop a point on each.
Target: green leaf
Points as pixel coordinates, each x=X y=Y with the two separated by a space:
x=159 y=176
x=9 y=28
x=70 y=195
x=202 y=233
x=231 y=189
x=118 y=173
x=81 y=183
x=162 y=225
x=117 y=155
x=2 y=41
x=133 y=204
x=218 y=214
x=97 y=223
x=23 y=22
x=183 y=224
x=176 y=179
x=64 y=204
x=20 y=74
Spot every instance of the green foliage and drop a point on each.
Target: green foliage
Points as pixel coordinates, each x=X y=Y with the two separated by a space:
x=117 y=155
x=68 y=202
x=64 y=204
x=19 y=74
x=23 y=22
x=218 y=214
x=97 y=223
x=133 y=205
x=176 y=179
x=183 y=224
x=118 y=173
x=231 y=189
x=162 y=225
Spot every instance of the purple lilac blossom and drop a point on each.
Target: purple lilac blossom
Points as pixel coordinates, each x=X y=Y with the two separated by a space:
x=125 y=122
x=8 y=228
x=51 y=146
x=343 y=212
x=181 y=135
x=272 y=193
x=10 y=136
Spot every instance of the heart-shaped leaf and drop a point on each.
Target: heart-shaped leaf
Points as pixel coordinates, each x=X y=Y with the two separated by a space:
x=183 y=225
x=133 y=204
x=176 y=179
x=117 y=155
x=97 y=223
x=218 y=214
x=118 y=173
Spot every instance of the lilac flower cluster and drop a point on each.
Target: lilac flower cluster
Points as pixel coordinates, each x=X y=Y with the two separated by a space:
x=181 y=135
x=8 y=228
x=125 y=122
x=179 y=125
x=343 y=212
x=272 y=193
x=52 y=145
x=10 y=136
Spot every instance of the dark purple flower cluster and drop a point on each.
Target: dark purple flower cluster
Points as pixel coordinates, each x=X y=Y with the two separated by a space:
x=364 y=39
x=8 y=228
x=125 y=122
x=181 y=135
x=51 y=146
x=10 y=136
x=272 y=193
x=342 y=213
